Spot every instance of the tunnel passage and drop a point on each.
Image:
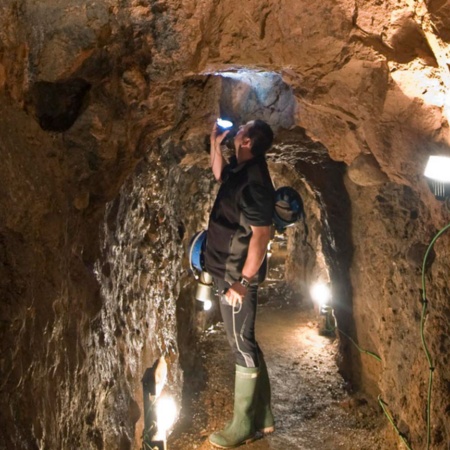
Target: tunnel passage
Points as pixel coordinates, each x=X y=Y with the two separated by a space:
x=325 y=180
x=295 y=160
x=148 y=290
x=171 y=194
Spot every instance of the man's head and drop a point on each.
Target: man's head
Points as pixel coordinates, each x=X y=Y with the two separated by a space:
x=253 y=139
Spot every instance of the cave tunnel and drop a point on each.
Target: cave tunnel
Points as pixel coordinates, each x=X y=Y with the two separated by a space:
x=299 y=256
x=105 y=114
x=295 y=160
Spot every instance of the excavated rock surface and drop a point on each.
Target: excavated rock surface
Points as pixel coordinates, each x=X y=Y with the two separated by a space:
x=105 y=111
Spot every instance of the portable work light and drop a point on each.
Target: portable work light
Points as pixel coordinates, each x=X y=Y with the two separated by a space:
x=321 y=294
x=437 y=171
x=159 y=412
x=207 y=305
x=166 y=411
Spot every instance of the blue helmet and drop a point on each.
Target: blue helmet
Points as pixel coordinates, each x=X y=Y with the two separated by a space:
x=196 y=251
x=288 y=208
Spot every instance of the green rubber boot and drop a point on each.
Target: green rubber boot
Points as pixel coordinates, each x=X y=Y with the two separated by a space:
x=241 y=429
x=264 y=422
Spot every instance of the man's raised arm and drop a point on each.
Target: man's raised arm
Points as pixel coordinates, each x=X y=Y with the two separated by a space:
x=216 y=158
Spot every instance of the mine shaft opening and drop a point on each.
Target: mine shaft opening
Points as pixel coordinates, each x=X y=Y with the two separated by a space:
x=299 y=258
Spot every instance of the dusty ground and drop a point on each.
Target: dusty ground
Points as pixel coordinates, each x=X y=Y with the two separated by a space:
x=312 y=407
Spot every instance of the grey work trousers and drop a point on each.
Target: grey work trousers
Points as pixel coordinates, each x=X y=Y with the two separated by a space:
x=239 y=324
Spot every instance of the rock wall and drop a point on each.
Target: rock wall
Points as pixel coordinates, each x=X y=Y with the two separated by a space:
x=105 y=108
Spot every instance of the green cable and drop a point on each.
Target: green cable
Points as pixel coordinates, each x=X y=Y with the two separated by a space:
x=383 y=405
x=425 y=347
x=367 y=352
x=422 y=333
x=334 y=327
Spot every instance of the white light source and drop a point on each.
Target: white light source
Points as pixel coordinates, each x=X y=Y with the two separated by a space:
x=438 y=168
x=154 y=411
x=207 y=305
x=166 y=411
x=225 y=124
x=321 y=294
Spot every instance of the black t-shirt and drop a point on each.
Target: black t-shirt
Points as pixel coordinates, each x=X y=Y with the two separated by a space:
x=246 y=198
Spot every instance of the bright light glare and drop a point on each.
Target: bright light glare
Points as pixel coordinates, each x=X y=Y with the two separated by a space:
x=321 y=293
x=207 y=305
x=438 y=168
x=166 y=411
x=246 y=74
x=224 y=123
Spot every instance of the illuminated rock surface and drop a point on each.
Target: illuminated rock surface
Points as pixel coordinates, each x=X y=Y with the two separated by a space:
x=105 y=112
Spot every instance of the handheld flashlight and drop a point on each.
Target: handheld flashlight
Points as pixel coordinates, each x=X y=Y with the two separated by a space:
x=224 y=125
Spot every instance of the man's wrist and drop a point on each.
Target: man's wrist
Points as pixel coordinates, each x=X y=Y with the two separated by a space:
x=243 y=281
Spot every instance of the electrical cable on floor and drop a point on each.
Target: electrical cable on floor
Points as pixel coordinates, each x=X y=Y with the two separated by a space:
x=422 y=333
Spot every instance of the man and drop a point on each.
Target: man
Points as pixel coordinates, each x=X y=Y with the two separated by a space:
x=238 y=233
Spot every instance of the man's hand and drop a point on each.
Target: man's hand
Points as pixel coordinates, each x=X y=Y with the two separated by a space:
x=216 y=138
x=216 y=158
x=235 y=294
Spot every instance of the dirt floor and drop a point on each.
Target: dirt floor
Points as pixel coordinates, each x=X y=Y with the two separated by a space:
x=312 y=407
